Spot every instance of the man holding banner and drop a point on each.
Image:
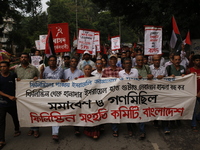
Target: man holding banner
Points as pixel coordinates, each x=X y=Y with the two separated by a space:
x=52 y=72
x=143 y=72
x=28 y=71
x=112 y=71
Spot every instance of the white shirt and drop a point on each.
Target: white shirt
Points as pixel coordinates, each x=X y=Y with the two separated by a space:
x=133 y=73
x=97 y=74
x=158 y=71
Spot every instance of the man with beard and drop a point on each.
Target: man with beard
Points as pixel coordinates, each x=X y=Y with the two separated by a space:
x=27 y=71
x=86 y=61
x=176 y=70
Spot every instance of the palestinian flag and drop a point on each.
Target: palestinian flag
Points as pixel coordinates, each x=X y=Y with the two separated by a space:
x=49 y=48
x=176 y=40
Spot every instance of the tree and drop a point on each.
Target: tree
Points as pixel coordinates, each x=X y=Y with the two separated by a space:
x=137 y=13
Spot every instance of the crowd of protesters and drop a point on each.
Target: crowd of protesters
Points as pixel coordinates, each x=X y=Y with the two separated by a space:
x=125 y=63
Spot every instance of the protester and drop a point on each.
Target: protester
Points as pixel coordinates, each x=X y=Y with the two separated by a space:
x=175 y=70
x=7 y=101
x=99 y=69
x=171 y=55
x=112 y=71
x=196 y=69
x=66 y=63
x=52 y=72
x=143 y=72
x=70 y=74
x=105 y=63
x=27 y=71
x=159 y=72
x=120 y=61
x=93 y=132
x=128 y=72
x=86 y=61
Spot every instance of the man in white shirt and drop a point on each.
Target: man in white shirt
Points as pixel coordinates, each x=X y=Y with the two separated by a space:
x=128 y=70
x=159 y=72
x=99 y=69
x=86 y=61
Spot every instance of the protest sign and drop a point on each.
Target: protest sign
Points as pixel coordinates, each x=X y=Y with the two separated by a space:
x=115 y=43
x=60 y=34
x=85 y=40
x=153 y=40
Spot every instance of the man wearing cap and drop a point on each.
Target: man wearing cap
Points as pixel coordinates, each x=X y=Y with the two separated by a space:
x=86 y=61
x=112 y=71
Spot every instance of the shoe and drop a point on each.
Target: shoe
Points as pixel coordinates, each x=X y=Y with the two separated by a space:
x=17 y=133
x=55 y=138
x=30 y=132
x=36 y=134
x=194 y=129
x=115 y=134
x=130 y=133
x=167 y=132
x=142 y=136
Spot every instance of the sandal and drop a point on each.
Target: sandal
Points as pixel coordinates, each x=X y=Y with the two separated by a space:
x=130 y=133
x=115 y=134
x=36 y=134
x=17 y=133
x=55 y=138
x=2 y=144
x=142 y=136
x=194 y=129
x=30 y=132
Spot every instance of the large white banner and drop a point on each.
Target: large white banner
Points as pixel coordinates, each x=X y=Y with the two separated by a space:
x=115 y=43
x=153 y=40
x=93 y=101
x=85 y=40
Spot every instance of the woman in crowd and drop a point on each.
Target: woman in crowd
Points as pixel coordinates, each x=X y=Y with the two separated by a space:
x=93 y=132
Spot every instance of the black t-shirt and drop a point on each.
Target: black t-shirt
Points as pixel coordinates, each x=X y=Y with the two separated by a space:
x=7 y=86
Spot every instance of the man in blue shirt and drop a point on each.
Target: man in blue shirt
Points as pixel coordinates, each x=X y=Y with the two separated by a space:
x=52 y=72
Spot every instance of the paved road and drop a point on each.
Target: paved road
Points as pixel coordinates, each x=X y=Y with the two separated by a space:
x=182 y=138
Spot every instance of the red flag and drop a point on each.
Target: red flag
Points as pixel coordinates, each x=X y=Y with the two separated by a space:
x=49 y=48
x=74 y=37
x=187 y=39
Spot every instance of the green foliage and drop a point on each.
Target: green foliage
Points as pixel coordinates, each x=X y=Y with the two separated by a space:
x=137 y=13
